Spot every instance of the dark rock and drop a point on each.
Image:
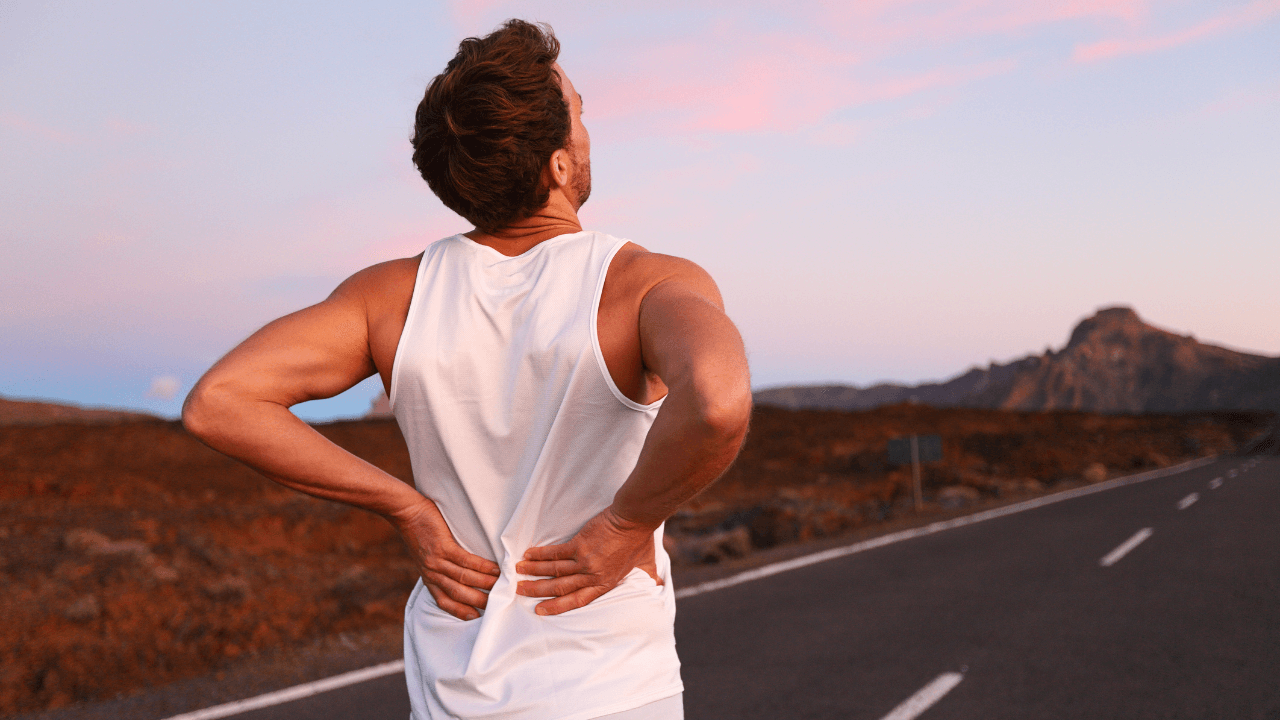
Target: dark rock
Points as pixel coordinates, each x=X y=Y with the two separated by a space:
x=1113 y=363
x=713 y=547
x=954 y=496
x=227 y=589
x=1095 y=473
x=83 y=609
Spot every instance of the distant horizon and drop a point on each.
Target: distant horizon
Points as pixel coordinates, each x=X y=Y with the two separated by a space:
x=320 y=409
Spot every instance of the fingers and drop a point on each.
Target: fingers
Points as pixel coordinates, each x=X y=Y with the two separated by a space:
x=467 y=577
x=473 y=562
x=451 y=606
x=446 y=565
x=547 y=568
x=423 y=525
x=564 y=551
x=462 y=593
x=572 y=601
x=553 y=587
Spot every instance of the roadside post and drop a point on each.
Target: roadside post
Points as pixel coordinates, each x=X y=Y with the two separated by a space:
x=915 y=450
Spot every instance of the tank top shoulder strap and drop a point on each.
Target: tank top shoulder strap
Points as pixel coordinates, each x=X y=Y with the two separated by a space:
x=614 y=245
x=415 y=303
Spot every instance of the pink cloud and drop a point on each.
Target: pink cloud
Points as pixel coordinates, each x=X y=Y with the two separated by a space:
x=18 y=122
x=470 y=15
x=1243 y=17
x=114 y=128
x=734 y=77
x=888 y=23
x=737 y=76
x=784 y=85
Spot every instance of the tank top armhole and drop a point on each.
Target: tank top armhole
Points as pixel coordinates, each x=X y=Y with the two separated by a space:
x=595 y=340
x=404 y=333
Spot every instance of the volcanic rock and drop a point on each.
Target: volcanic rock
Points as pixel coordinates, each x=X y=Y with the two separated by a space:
x=713 y=546
x=227 y=589
x=94 y=543
x=1095 y=473
x=954 y=496
x=83 y=609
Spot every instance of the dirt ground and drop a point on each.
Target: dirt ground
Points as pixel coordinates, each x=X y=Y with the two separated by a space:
x=133 y=557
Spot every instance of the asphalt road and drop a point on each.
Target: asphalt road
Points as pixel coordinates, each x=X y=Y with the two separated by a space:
x=1185 y=625
x=1014 y=617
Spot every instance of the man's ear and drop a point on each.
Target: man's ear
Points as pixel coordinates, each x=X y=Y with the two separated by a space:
x=560 y=168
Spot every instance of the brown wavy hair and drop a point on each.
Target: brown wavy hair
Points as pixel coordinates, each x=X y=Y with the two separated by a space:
x=488 y=124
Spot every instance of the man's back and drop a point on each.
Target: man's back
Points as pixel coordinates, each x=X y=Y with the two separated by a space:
x=517 y=433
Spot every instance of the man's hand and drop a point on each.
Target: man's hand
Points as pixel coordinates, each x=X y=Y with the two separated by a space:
x=591 y=564
x=458 y=580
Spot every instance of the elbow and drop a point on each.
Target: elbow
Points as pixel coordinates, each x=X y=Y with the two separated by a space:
x=200 y=412
x=724 y=407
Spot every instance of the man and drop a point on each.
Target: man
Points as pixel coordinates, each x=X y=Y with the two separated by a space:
x=561 y=393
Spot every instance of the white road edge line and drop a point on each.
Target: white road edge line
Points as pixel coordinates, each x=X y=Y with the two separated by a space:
x=1114 y=556
x=926 y=697
x=1188 y=501
x=297 y=692
x=807 y=560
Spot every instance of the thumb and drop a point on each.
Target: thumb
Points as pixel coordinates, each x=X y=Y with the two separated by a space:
x=651 y=567
x=649 y=563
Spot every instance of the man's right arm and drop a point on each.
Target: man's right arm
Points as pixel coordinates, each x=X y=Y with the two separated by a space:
x=241 y=408
x=689 y=342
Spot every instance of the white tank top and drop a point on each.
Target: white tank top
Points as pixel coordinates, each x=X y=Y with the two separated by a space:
x=517 y=431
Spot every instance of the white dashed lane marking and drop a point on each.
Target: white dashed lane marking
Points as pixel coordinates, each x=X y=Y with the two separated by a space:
x=1114 y=556
x=1188 y=501
x=1232 y=473
x=926 y=697
x=1215 y=483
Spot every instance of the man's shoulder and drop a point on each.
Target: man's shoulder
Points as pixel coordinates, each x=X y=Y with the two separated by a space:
x=381 y=289
x=642 y=270
x=389 y=276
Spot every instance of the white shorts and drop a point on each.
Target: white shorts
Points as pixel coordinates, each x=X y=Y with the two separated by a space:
x=669 y=708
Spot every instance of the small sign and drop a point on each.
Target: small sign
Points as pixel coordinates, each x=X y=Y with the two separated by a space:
x=928 y=446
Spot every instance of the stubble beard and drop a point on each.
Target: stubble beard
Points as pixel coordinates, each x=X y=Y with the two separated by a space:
x=581 y=186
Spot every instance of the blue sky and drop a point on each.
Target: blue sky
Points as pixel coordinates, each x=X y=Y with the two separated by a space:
x=885 y=190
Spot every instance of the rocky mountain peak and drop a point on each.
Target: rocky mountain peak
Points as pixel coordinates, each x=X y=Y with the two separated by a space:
x=1114 y=362
x=1109 y=325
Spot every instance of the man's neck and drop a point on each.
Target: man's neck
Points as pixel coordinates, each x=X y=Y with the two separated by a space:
x=554 y=219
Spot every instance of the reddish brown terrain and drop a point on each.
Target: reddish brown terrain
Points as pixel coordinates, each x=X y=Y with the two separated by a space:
x=132 y=556
x=34 y=412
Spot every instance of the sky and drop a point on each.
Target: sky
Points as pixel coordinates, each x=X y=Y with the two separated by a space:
x=886 y=190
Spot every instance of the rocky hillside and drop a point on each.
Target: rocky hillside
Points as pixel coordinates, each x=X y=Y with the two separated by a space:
x=1114 y=363
x=31 y=412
